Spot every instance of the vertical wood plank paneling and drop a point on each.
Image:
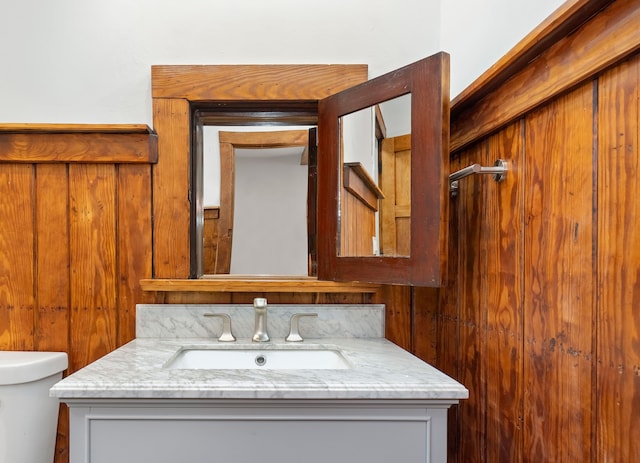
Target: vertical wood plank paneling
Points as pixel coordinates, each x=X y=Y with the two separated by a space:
x=16 y=257
x=448 y=335
x=503 y=355
x=424 y=326
x=52 y=257
x=558 y=276
x=618 y=349
x=134 y=244
x=397 y=300
x=171 y=208
x=472 y=262
x=93 y=262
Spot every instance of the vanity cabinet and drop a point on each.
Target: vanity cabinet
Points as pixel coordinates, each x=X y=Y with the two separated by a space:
x=270 y=431
x=139 y=404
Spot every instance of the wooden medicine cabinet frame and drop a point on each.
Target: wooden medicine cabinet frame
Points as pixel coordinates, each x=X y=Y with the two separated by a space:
x=176 y=90
x=427 y=81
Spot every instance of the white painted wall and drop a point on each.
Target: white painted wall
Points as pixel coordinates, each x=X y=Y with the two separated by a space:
x=88 y=61
x=477 y=33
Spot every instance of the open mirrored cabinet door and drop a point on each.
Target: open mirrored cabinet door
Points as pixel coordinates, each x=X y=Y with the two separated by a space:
x=383 y=169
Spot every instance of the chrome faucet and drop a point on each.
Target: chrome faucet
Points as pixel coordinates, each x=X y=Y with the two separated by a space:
x=260 y=308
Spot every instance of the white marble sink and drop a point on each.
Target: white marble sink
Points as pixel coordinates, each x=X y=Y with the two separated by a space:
x=255 y=358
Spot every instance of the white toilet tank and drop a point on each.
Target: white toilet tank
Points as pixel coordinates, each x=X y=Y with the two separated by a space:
x=28 y=416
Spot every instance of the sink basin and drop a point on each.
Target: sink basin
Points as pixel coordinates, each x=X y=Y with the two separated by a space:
x=254 y=358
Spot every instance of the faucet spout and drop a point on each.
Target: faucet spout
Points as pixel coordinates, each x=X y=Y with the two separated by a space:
x=260 y=308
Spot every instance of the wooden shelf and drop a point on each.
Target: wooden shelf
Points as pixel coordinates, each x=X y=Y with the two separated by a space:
x=257 y=284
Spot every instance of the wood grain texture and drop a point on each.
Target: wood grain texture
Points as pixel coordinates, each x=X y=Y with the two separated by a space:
x=424 y=326
x=504 y=227
x=78 y=147
x=618 y=317
x=398 y=316
x=52 y=286
x=171 y=189
x=472 y=310
x=16 y=257
x=275 y=139
x=227 y=207
x=448 y=334
x=210 y=237
x=254 y=82
x=253 y=283
x=357 y=223
x=559 y=279
x=606 y=39
x=92 y=204
x=52 y=258
x=134 y=245
x=74 y=128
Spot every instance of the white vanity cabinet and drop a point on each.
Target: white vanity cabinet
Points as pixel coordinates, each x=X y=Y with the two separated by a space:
x=137 y=404
x=266 y=431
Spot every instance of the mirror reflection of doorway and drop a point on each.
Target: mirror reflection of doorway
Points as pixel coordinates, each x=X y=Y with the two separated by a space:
x=257 y=224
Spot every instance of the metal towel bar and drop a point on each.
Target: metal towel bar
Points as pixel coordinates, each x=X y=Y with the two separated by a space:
x=499 y=171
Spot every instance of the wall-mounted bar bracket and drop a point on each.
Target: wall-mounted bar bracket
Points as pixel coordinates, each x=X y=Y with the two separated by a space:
x=499 y=171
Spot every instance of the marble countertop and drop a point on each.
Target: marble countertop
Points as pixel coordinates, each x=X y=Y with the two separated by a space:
x=381 y=370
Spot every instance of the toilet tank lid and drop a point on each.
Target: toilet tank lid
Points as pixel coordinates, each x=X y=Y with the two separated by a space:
x=18 y=367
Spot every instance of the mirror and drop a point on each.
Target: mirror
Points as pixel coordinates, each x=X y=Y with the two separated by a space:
x=255 y=215
x=358 y=240
x=240 y=146
x=375 y=194
x=283 y=96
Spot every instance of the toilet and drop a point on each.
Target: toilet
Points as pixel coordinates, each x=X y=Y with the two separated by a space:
x=28 y=416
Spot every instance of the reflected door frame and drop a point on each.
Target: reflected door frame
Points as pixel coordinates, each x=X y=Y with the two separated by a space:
x=229 y=142
x=177 y=90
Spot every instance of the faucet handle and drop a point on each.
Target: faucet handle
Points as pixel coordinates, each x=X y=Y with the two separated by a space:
x=227 y=335
x=294 y=327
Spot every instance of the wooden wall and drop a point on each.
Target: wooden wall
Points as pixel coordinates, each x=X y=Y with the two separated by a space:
x=75 y=239
x=360 y=201
x=539 y=318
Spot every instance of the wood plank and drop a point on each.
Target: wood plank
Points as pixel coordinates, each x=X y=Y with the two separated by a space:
x=424 y=328
x=448 y=335
x=16 y=257
x=618 y=378
x=210 y=237
x=402 y=195
x=107 y=147
x=473 y=307
x=92 y=238
x=398 y=316
x=275 y=139
x=227 y=208
x=134 y=244
x=52 y=275
x=253 y=283
x=558 y=280
x=388 y=240
x=255 y=82
x=171 y=208
x=75 y=128
x=504 y=337
x=358 y=182
x=606 y=39
x=52 y=257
